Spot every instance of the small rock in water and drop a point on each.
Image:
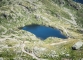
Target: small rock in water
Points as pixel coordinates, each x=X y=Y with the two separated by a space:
x=77 y=45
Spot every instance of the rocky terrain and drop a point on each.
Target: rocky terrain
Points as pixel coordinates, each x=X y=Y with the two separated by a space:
x=17 y=44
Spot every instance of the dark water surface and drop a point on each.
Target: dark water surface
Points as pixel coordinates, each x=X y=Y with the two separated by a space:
x=44 y=32
x=79 y=1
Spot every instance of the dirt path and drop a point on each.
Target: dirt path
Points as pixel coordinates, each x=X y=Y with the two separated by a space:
x=31 y=54
x=58 y=43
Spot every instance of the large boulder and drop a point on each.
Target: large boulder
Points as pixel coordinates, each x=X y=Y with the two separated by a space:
x=77 y=45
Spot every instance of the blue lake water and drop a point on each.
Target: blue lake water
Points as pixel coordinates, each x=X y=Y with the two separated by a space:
x=79 y=1
x=44 y=32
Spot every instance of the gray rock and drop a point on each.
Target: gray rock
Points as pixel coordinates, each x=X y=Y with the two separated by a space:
x=67 y=55
x=77 y=45
x=1 y=58
x=31 y=1
x=82 y=59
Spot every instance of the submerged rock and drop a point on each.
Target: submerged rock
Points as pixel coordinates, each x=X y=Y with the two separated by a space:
x=77 y=45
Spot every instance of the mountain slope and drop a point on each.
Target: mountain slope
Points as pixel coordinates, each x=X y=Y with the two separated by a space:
x=16 y=44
